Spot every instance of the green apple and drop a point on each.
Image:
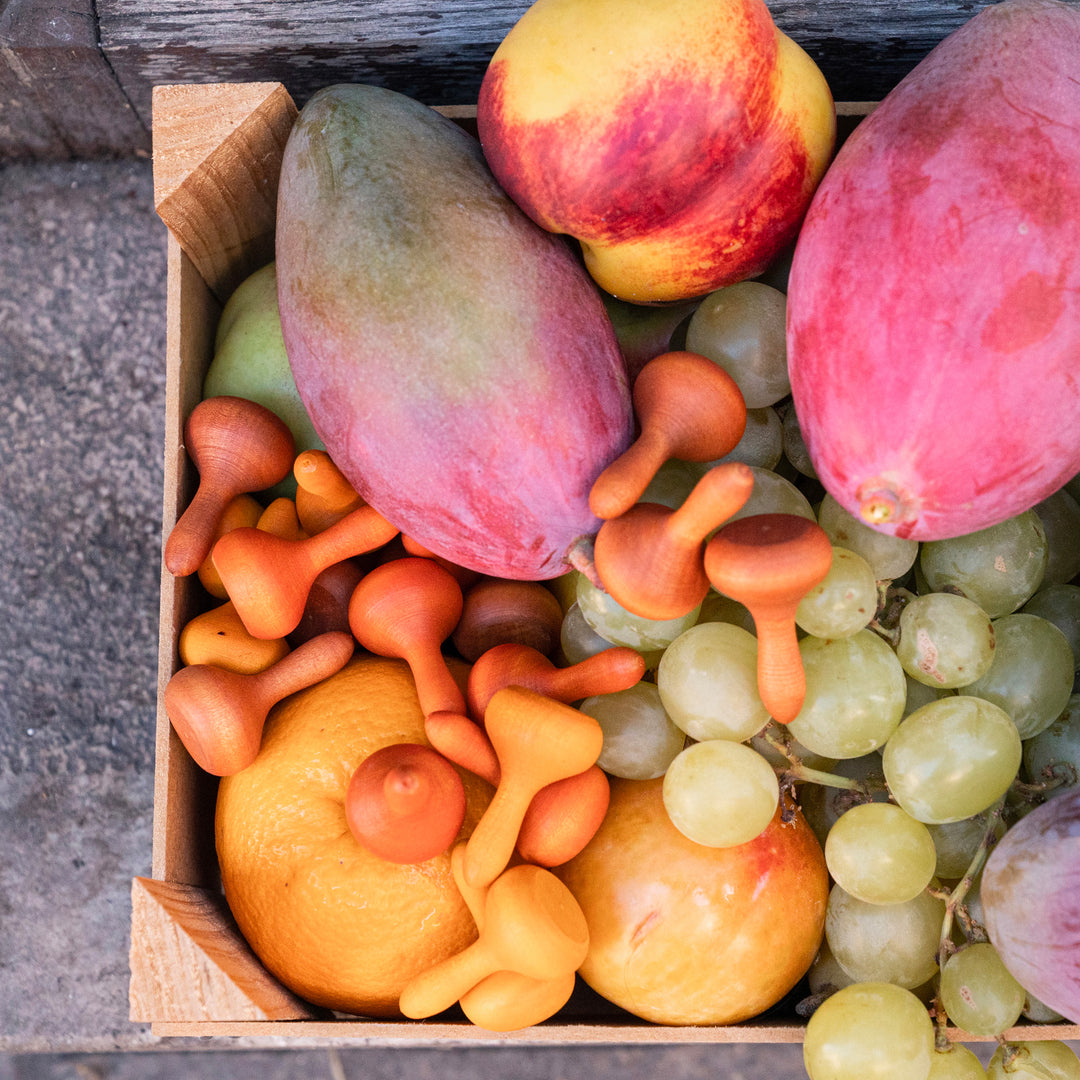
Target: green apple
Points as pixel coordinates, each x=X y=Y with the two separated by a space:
x=250 y=361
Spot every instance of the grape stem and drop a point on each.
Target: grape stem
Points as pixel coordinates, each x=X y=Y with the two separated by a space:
x=579 y=556
x=956 y=909
x=892 y=599
x=796 y=772
x=1057 y=773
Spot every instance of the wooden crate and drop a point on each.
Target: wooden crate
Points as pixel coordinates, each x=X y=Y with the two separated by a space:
x=217 y=154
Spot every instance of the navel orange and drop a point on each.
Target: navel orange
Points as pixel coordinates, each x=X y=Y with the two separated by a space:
x=336 y=924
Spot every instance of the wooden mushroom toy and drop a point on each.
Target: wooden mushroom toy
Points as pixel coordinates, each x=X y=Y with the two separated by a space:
x=497 y=610
x=617 y=668
x=463 y=742
x=238 y=446
x=532 y=925
x=405 y=803
x=323 y=495
x=687 y=407
x=562 y=817
x=219 y=638
x=537 y=741
x=269 y=578
x=769 y=562
x=651 y=559
x=407 y=608
x=219 y=715
x=464 y=576
x=241 y=512
x=506 y=1000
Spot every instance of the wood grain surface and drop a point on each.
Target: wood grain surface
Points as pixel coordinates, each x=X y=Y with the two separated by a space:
x=76 y=78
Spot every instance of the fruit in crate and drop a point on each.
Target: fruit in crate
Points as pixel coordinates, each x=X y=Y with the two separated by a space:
x=678 y=140
x=934 y=298
x=456 y=359
x=335 y=923
x=680 y=933
x=250 y=362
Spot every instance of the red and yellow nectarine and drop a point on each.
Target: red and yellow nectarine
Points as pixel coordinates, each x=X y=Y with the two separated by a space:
x=679 y=141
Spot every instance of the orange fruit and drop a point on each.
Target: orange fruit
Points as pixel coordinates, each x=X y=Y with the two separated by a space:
x=680 y=933
x=333 y=922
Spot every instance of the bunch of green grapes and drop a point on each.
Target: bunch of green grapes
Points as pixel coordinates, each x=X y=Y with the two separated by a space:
x=941 y=703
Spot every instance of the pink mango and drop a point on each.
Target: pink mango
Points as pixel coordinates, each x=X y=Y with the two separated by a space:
x=455 y=359
x=934 y=298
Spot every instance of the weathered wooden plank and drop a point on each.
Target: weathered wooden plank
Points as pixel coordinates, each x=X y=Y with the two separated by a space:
x=58 y=96
x=439 y=56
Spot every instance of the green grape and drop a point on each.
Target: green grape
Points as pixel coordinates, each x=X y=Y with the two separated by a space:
x=1040 y=1059
x=879 y=854
x=822 y=805
x=956 y=1062
x=621 y=627
x=773 y=494
x=577 y=638
x=999 y=568
x=890 y=557
x=855 y=694
x=720 y=793
x=640 y=741
x=1039 y=1013
x=946 y=640
x=894 y=943
x=978 y=993
x=956 y=843
x=762 y=442
x=1031 y=677
x=741 y=328
x=1055 y=751
x=1060 y=604
x=952 y=759
x=1060 y=517
x=671 y=483
x=795 y=446
x=825 y=975
x=707 y=680
x=869 y=1031
x=919 y=694
x=716 y=607
x=844 y=602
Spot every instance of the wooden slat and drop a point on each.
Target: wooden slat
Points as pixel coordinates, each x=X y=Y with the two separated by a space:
x=438 y=53
x=59 y=99
x=189 y=962
x=217 y=157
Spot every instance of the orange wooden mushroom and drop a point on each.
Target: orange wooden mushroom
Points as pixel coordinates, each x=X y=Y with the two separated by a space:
x=497 y=610
x=688 y=408
x=238 y=446
x=323 y=495
x=617 y=668
x=651 y=559
x=769 y=562
x=562 y=817
x=219 y=715
x=537 y=741
x=463 y=742
x=533 y=925
x=405 y=803
x=269 y=578
x=506 y=1000
x=407 y=608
